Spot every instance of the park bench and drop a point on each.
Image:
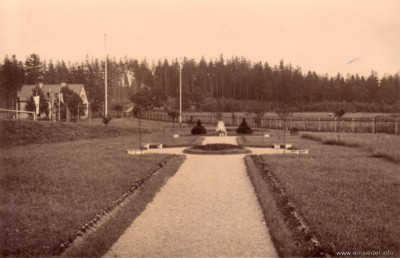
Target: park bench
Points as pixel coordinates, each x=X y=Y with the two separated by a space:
x=133 y=151
x=281 y=145
x=153 y=146
x=300 y=151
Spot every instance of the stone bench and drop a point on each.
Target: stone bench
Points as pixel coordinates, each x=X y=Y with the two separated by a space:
x=300 y=151
x=281 y=145
x=133 y=151
x=153 y=146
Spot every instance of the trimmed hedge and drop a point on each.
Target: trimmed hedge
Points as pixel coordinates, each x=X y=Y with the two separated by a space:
x=199 y=129
x=244 y=128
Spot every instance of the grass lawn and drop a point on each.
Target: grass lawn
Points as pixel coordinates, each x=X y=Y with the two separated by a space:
x=348 y=198
x=48 y=191
x=276 y=137
x=380 y=145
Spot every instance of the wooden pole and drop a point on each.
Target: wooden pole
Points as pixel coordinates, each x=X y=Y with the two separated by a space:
x=59 y=105
x=373 y=125
x=319 y=124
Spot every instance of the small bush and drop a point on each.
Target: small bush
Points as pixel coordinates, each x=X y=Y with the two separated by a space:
x=244 y=128
x=199 y=129
x=106 y=120
x=294 y=131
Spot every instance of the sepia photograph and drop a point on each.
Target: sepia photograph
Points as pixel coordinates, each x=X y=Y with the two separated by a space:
x=199 y=128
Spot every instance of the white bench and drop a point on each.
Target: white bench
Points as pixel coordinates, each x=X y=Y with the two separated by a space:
x=286 y=145
x=150 y=145
x=300 y=151
x=133 y=151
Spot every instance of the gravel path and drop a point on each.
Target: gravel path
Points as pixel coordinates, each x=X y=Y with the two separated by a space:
x=208 y=208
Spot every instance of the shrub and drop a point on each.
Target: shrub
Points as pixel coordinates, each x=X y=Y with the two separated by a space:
x=106 y=119
x=199 y=129
x=244 y=128
x=294 y=131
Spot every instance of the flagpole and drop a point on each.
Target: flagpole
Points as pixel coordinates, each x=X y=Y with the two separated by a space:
x=105 y=77
x=59 y=105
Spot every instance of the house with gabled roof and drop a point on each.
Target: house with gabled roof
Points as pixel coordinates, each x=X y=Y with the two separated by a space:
x=26 y=92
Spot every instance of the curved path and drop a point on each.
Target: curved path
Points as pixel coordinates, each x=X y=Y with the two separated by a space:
x=208 y=208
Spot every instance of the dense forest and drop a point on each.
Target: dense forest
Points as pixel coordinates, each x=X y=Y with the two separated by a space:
x=234 y=84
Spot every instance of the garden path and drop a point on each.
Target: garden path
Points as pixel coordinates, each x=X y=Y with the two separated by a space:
x=209 y=208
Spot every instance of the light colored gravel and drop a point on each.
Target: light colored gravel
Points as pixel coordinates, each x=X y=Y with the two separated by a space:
x=208 y=208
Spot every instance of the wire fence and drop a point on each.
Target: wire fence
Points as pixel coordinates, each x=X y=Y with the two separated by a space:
x=382 y=124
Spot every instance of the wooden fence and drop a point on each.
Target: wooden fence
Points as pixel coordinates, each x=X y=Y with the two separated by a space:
x=388 y=125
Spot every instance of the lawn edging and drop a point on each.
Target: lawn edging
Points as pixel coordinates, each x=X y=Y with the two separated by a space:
x=281 y=214
x=99 y=234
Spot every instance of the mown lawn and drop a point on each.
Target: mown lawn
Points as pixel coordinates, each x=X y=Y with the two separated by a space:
x=348 y=198
x=48 y=191
x=380 y=145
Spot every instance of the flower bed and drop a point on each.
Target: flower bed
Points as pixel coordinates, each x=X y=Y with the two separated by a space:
x=217 y=149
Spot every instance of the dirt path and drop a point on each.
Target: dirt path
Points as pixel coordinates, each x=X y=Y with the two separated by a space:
x=208 y=208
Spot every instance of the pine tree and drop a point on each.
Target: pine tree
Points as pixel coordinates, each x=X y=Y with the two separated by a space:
x=34 y=69
x=11 y=79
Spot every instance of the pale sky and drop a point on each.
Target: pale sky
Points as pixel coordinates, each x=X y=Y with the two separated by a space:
x=346 y=36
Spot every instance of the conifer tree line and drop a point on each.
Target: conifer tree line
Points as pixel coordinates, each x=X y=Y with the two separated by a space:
x=234 y=79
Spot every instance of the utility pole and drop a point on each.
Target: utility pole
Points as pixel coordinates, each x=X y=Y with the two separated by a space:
x=105 y=76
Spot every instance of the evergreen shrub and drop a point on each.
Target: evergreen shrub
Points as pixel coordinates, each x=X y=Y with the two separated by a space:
x=199 y=129
x=244 y=128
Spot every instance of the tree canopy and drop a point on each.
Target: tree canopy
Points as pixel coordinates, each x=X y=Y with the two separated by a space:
x=73 y=101
x=231 y=81
x=43 y=104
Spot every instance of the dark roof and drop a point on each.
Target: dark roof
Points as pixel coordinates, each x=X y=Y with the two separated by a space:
x=26 y=90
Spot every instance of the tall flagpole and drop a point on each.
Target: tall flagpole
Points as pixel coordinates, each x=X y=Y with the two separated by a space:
x=180 y=92
x=105 y=77
x=59 y=105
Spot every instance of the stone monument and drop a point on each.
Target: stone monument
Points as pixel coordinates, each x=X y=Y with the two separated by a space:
x=221 y=130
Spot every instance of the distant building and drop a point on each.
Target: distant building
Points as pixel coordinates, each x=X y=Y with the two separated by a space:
x=27 y=90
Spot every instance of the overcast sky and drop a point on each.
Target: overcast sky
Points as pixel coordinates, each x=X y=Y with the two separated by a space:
x=324 y=36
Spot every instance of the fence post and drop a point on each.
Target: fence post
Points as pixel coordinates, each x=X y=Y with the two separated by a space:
x=335 y=125
x=291 y=122
x=396 y=126
x=352 y=125
x=373 y=125
x=270 y=122
x=319 y=124
x=304 y=120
